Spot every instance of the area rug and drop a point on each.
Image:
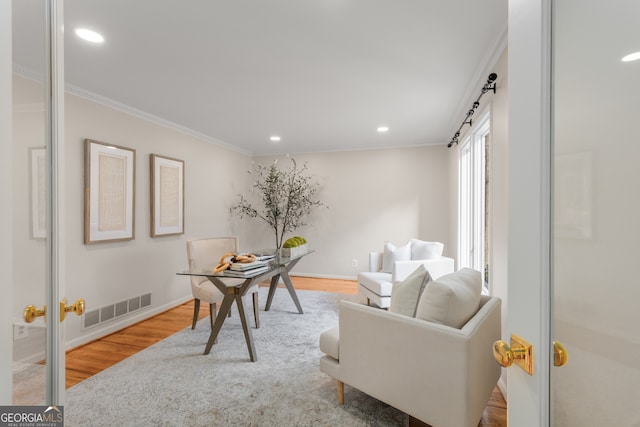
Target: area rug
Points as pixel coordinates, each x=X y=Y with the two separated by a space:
x=173 y=384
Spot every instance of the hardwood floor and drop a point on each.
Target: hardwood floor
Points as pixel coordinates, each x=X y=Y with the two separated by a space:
x=91 y=358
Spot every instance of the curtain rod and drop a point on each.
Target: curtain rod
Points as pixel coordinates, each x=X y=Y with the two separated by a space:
x=489 y=85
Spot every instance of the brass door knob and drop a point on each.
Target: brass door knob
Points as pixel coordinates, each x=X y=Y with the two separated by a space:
x=31 y=312
x=77 y=307
x=560 y=355
x=519 y=352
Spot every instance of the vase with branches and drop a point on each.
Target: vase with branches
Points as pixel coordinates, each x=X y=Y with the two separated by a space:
x=287 y=196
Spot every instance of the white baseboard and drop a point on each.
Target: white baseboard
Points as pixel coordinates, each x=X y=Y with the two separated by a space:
x=324 y=276
x=502 y=386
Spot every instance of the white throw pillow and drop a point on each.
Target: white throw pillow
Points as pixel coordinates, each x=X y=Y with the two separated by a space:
x=405 y=294
x=421 y=249
x=452 y=299
x=392 y=254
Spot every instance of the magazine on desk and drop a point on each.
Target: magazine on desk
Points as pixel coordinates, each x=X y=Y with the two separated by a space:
x=243 y=266
x=246 y=273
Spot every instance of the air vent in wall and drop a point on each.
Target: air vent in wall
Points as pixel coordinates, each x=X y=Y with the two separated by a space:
x=113 y=311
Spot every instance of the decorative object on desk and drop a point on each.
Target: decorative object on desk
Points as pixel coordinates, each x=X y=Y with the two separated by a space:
x=225 y=262
x=247 y=258
x=294 y=246
x=230 y=259
x=287 y=196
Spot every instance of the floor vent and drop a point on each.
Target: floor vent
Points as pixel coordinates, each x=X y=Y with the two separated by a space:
x=109 y=312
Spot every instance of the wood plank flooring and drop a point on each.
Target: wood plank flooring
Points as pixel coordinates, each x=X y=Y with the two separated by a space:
x=91 y=358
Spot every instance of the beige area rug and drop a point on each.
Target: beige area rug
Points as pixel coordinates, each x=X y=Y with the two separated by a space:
x=173 y=384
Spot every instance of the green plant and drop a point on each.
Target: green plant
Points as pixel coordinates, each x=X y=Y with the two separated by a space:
x=287 y=196
x=294 y=242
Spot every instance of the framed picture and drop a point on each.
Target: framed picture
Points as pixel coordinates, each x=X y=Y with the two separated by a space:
x=167 y=196
x=109 y=192
x=37 y=172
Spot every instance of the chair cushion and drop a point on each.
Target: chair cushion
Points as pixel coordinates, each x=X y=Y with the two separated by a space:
x=376 y=282
x=330 y=342
x=452 y=299
x=392 y=254
x=405 y=294
x=421 y=249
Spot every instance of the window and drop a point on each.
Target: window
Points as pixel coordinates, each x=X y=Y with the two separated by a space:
x=472 y=204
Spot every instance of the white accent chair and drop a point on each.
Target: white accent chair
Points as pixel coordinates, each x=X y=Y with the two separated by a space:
x=439 y=374
x=204 y=254
x=377 y=283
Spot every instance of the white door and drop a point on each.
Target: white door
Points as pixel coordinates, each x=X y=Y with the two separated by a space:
x=596 y=139
x=573 y=227
x=36 y=147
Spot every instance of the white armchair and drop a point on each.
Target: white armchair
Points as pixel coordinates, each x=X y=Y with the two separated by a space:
x=439 y=374
x=396 y=264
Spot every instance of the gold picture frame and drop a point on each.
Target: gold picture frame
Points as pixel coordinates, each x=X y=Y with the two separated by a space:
x=109 y=192
x=167 y=196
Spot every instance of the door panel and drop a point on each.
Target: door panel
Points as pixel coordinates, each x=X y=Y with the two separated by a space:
x=38 y=356
x=596 y=204
x=29 y=200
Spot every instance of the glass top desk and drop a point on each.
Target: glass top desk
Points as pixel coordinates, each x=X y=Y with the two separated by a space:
x=278 y=267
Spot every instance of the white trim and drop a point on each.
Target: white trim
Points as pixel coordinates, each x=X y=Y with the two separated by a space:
x=324 y=276
x=471 y=210
x=529 y=205
x=6 y=210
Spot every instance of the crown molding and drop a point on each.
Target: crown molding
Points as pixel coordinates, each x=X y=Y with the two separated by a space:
x=118 y=106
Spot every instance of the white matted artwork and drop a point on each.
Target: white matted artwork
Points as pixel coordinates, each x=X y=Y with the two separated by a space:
x=38 y=170
x=167 y=196
x=109 y=192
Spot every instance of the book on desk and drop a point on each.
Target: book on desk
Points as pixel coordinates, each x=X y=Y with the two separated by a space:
x=246 y=269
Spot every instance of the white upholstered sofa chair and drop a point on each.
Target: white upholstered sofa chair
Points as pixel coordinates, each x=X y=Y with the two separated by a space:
x=204 y=254
x=442 y=375
x=394 y=264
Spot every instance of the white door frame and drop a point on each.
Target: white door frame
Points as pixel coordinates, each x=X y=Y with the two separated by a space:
x=55 y=367
x=6 y=173
x=54 y=83
x=529 y=205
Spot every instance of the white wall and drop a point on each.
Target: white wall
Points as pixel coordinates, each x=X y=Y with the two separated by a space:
x=372 y=196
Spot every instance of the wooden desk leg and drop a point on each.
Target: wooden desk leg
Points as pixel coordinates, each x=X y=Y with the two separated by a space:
x=292 y=291
x=272 y=291
x=245 y=327
x=220 y=318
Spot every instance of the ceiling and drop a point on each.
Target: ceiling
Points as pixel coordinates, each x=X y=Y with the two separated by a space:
x=321 y=74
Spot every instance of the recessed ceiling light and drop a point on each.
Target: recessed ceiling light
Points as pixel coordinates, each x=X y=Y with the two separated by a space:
x=275 y=138
x=89 y=35
x=631 y=57
x=382 y=129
